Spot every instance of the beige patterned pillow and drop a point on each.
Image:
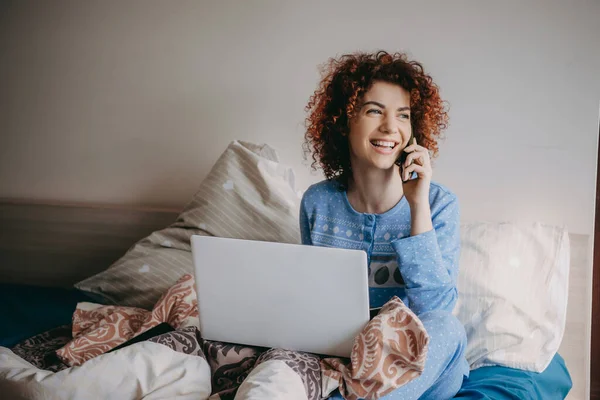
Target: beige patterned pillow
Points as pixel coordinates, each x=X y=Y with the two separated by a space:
x=248 y=194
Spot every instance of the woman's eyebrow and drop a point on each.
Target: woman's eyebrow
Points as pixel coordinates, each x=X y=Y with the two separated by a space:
x=374 y=102
x=382 y=106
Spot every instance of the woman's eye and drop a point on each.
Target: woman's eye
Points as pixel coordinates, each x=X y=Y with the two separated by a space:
x=374 y=111
x=404 y=116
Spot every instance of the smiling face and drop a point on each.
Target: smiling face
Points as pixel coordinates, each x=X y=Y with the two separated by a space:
x=381 y=127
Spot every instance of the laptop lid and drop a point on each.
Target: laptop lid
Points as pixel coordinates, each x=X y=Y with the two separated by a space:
x=296 y=297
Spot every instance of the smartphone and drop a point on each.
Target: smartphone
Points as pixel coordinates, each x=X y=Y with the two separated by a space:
x=403 y=154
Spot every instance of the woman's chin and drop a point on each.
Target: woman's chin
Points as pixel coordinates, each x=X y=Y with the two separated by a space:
x=383 y=164
x=386 y=166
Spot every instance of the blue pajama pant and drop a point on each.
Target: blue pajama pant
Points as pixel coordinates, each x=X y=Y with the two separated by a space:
x=445 y=366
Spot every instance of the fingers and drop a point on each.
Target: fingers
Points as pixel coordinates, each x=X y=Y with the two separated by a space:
x=412 y=146
x=408 y=171
x=417 y=156
x=415 y=147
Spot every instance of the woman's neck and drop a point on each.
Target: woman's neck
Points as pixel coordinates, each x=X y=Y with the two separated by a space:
x=375 y=191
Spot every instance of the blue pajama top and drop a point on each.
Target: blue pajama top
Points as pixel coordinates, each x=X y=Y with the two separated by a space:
x=421 y=270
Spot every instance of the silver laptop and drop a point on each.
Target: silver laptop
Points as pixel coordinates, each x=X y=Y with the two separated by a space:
x=295 y=297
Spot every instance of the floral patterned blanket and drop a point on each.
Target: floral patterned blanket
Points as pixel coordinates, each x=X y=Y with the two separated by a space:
x=389 y=352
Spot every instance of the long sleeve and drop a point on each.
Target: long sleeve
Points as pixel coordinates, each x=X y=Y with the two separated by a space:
x=429 y=262
x=304 y=223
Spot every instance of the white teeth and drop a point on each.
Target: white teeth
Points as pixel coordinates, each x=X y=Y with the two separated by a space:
x=383 y=143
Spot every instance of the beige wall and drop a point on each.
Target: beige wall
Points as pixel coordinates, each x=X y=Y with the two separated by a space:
x=130 y=102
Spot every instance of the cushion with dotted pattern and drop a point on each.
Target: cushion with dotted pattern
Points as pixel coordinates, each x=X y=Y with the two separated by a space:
x=248 y=194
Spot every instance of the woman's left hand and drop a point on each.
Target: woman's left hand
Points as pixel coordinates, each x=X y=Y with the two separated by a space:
x=416 y=190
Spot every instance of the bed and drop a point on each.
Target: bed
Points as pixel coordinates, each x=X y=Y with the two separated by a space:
x=46 y=248
x=47 y=308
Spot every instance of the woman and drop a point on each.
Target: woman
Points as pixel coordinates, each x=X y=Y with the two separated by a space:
x=379 y=197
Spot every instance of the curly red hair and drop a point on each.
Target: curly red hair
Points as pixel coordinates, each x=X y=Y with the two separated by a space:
x=344 y=81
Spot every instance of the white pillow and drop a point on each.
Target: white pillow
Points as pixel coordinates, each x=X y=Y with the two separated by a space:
x=144 y=370
x=513 y=287
x=248 y=194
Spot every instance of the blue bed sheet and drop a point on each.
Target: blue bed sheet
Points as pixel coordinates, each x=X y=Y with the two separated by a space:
x=26 y=311
x=501 y=383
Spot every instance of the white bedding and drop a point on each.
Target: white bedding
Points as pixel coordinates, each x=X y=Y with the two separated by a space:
x=143 y=370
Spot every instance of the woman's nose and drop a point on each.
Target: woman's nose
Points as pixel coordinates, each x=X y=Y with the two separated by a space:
x=388 y=125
